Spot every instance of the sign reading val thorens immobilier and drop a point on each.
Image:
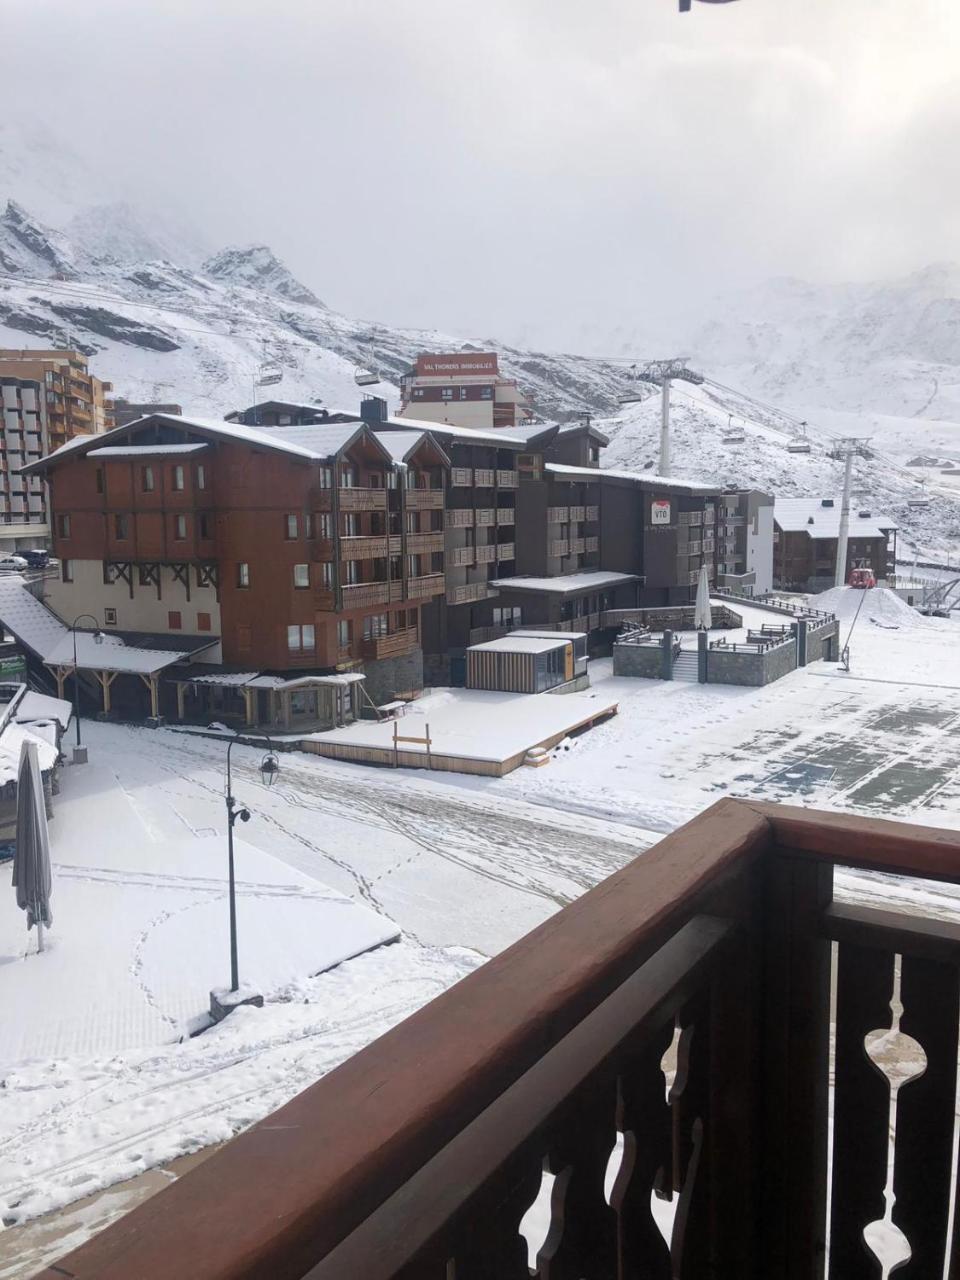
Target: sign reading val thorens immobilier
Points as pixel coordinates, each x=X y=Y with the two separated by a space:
x=660 y=511
x=450 y=366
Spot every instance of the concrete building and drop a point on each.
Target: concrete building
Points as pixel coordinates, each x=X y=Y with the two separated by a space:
x=463 y=389
x=23 y=509
x=126 y=411
x=76 y=402
x=806 y=534
x=745 y=542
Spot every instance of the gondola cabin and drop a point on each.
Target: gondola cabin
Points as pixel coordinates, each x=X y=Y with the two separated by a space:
x=524 y=663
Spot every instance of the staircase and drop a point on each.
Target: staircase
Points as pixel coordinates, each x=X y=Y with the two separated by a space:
x=686 y=667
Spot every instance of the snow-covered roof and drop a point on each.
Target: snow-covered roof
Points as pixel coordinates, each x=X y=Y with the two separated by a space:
x=40 y=706
x=647 y=478
x=809 y=515
x=138 y=450
x=467 y=434
x=522 y=644
x=400 y=444
x=318 y=442
x=564 y=584
x=565 y=635
x=572 y=428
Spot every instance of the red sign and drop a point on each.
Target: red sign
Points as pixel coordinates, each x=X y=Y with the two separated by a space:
x=464 y=362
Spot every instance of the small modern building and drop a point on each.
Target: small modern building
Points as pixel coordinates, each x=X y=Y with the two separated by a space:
x=745 y=542
x=806 y=535
x=531 y=663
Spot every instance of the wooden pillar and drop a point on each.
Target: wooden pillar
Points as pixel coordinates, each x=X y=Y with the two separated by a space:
x=249 y=698
x=60 y=676
x=181 y=695
x=154 y=697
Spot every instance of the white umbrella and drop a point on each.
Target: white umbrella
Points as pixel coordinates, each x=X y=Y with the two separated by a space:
x=702 y=618
x=31 y=861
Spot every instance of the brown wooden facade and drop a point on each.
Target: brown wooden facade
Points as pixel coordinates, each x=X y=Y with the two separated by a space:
x=802 y=562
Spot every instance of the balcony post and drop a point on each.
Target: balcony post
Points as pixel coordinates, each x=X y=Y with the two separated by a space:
x=795 y=1022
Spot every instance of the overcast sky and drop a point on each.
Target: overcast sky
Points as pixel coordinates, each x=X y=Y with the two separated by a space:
x=555 y=171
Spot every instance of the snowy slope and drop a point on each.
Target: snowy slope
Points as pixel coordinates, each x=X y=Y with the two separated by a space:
x=701 y=419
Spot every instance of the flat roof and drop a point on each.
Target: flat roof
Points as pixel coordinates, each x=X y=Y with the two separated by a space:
x=564 y=635
x=565 y=584
x=635 y=477
x=521 y=644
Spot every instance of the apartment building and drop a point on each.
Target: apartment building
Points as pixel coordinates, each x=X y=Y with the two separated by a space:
x=464 y=389
x=76 y=402
x=806 y=541
x=23 y=510
x=745 y=542
x=307 y=552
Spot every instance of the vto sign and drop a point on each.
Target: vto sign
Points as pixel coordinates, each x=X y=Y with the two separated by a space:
x=660 y=511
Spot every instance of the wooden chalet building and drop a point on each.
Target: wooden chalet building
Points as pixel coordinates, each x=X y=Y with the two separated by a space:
x=806 y=537
x=308 y=551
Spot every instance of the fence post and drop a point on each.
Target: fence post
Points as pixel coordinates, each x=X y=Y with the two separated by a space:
x=702 y=641
x=666 y=668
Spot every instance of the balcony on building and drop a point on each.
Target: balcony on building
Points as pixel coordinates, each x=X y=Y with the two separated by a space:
x=729 y=958
x=394 y=645
x=362 y=499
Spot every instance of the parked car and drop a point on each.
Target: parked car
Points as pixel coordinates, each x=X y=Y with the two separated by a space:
x=36 y=557
x=13 y=564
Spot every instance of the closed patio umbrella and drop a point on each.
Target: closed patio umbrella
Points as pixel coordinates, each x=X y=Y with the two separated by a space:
x=702 y=618
x=31 y=861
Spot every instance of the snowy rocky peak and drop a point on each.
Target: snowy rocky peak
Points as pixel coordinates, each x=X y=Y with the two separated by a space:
x=258 y=267
x=29 y=248
x=121 y=233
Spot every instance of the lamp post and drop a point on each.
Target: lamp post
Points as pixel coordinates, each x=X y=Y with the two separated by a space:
x=78 y=754
x=269 y=768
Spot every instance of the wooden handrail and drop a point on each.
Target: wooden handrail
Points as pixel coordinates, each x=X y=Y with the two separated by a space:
x=283 y=1194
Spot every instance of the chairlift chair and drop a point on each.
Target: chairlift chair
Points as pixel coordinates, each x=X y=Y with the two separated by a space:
x=366 y=378
x=798 y=446
x=268 y=375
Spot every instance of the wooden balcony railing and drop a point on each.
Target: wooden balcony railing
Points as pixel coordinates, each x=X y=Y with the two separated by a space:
x=459 y=518
x=394 y=645
x=592 y=513
x=358 y=595
x=363 y=499
x=431 y=584
x=461 y=477
x=558 y=515
x=486 y=555
x=591 y=544
x=364 y=548
x=469 y=593
x=460 y=557
x=422 y=543
x=506 y=551
x=506 y=515
x=483 y=478
x=424 y=499
x=717 y=948
x=506 y=479
x=486 y=515
x=577 y=514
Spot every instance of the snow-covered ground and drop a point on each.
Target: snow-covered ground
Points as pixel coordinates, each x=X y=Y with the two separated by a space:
x=462 y=865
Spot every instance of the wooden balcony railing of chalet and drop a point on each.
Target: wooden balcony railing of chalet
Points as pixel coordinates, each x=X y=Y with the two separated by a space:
x=506 y=515
x=461 y=477
x=430 y=584
x=559 y=547
x=506 y=551
x=459 y=518
x=357 y=595
x=417 y=1159
x=422 y=543
x=363 y=499
x=469 y=593
x=394 y=645
x=483 y=478
x=375 y=547
x=424 y=499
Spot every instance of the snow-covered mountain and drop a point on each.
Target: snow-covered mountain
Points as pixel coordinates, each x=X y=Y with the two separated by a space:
x=725 y=436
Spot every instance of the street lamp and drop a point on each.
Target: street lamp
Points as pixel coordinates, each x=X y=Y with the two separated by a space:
x=269 y=768
x=98 y=638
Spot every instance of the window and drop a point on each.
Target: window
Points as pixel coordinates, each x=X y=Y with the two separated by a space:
x=291 y=526
x=109 y=617
x=507 y=616
x=413 y=521
x=66 y=570
x=203 y=622
x=180 y=528
x=63 y=526
x=301 y=576
x=201 y=476
x=348 y=478
x=375 y=625
x=301 y=639
x=174 y=621
x=326 y=574
x=204 y=519
x=326 y=477
x=325 y=525
x=351 y=526
x=344 y=633
x=146 y=479
x=121 y=527
x=99 y=479
x=486 y=393
x=396 y=568
x=178 y=478
x=391 y=479
x=446 y=393
x=243 y=574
